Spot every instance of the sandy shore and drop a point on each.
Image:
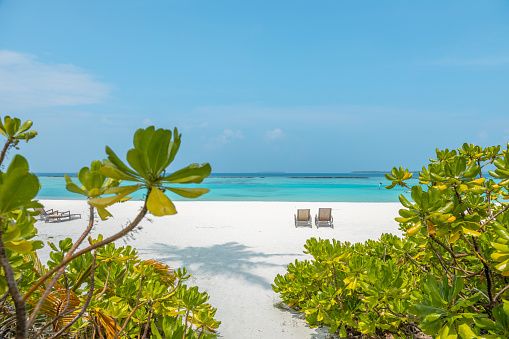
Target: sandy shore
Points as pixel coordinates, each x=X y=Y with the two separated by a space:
x=233 y=250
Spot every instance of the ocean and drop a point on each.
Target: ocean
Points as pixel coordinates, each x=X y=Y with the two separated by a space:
x=312 y=187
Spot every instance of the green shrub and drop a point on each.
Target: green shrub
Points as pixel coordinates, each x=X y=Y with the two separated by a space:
x=360 y=287
x=129 y=296
x=77 y=292
x=449 y=274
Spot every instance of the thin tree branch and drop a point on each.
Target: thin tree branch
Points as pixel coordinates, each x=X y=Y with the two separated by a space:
x=106 y=282
x=495 y=215
x=87 y=301
x=419 y=266
x=59 y=271
x=500 y=293
x=4 y=150
x=148 y=323
x=19 y=303
x=4 y=297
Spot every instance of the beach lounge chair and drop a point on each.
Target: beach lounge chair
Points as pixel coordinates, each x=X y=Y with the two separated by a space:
x=303 y=218
x=62 y=216
x=43 y=214
x=324 y=218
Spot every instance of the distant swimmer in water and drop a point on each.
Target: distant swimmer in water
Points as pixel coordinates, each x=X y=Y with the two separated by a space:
x=408 y=191
x=379 y=185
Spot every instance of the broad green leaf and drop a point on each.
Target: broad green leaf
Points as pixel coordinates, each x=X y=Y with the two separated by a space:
x=189 y=192
x=499 y=257
x=94 y=180
x=193 y=173
x=105 y=202
x=142 y=138
x=83 y=177
x=136 y=159
x=404 y=201
x=10 y=126
x=12 y=233
x=157 y=152
x=103 y=213
x=22 y=246
x=18 y=162
x=72 y=187
x=159 y=204
x=37 y=244
x=447 y=332
x=115 y=173
x=24 y=127
x=155 y=332
x=116 y=162
x=17 y=189
x=470 y=232
x=503 y=266
x=94 y=192
x=465 y=331
x=173 y=146
x=123 y=189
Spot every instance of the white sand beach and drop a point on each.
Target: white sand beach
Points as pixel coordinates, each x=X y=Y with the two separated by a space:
x=233 y=250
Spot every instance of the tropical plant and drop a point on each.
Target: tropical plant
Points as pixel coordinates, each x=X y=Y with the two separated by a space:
x=25 y=279
x=14 y=131
x=452 y=267
x=356 y=288
x=114 y=293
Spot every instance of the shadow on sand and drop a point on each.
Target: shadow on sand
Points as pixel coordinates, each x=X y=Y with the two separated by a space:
x=321 y=332
x=231 y=259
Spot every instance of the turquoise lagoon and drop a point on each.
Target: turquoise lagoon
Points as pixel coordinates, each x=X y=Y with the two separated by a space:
x=326 y=187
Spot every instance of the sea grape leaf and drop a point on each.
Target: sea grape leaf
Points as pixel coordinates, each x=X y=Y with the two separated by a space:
x=159 y=204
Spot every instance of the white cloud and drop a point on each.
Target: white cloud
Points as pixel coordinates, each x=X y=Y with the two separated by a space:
x=26 y=82
x=228 y=135
x=225 y=138
x=147 y=122
x=273 y=135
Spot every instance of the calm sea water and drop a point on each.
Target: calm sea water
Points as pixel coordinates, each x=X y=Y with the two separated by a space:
x=327 y=187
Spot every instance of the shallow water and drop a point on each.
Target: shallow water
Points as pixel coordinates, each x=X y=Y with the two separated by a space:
x=340 y=187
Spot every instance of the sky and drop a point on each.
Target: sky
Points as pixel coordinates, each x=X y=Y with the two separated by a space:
x=254 y=85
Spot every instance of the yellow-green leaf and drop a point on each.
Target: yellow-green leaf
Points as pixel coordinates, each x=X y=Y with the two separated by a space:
x=103 y=213
x=159 y=204
x=470 y=232
x=22 y=246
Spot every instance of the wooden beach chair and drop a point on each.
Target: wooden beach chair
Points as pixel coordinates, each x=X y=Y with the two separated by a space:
x=324 y=218
x=303 y=218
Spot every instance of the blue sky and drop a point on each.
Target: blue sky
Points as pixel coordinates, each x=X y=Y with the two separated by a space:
x=294 y=86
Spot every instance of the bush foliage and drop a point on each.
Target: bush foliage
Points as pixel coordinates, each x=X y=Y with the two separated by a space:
x=98 y=291
x=448 y=275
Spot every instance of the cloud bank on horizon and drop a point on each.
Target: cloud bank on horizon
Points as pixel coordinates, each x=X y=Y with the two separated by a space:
x=258 y=85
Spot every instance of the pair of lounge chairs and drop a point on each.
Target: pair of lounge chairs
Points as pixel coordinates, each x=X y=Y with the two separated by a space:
x=56 y=216
x=322 y=219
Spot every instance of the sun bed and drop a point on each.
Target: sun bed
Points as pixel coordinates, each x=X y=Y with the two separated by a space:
x=62 y=216
x=324 y=218
x=43 y=214
x=303 y=218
